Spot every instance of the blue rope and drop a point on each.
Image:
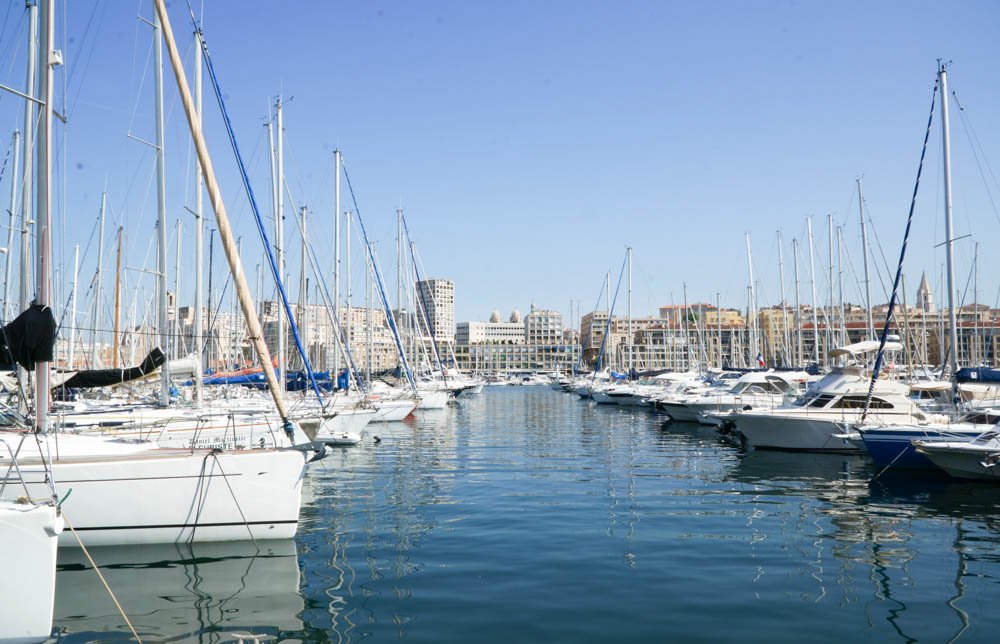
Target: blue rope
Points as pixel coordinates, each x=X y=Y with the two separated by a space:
x=6 y=157
x=607 y=329
x=256 y=213
x=899 y=268
x=381 y=286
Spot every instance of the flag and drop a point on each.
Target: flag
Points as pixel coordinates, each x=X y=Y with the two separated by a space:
x=760 y=360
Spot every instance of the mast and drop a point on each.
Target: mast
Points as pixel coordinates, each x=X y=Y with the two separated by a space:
x=798 y=308
x=95 y=323
x=948 y=231
x=336 y=259
x=26 y=196
x=399 y=268
x=630 y=310
x=44 y=205
x=368 y=316
x=16 y=144
x=118 y=288
x=225 y=233
x=347 y=278
x=829 y=312
x=840 y=282
x=812 y=280
x=687 y=353
x=161 y=208
x=279 y=224
x=72 y=326
x=784 y=309
x=975 y=301
x=754 y=343
x=718 y=323
x=178 y=346
x=199 y=242
x=304 y=288
x=868 y=283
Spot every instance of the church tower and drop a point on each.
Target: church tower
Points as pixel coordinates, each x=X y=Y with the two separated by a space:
x=925 y=296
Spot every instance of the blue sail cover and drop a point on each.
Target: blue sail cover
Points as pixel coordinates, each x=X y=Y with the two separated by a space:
x=978 y=374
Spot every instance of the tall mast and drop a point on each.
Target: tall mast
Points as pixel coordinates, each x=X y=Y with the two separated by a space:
x=868 y=282
x=368 y=315
x=336 y=258
x=630 y=310
x=975 y=301
x=948 y=231
x=118 y=290
x=754 y=344
x=161 y=208
x=812 y=280
x=279 y=223
x=72 y=326
x=840 y=282
x=26 y=186
x=7 y=309
x=178 y=346
x=684 y=317
x=347 y=279
x=44 y=204
x=96 y=321
x=225 y=232
x=304 y=289
x=718 y=323
x=199 y=241
x=798 y=309
x=399 y=267
x=784 y=309
x=830 y=309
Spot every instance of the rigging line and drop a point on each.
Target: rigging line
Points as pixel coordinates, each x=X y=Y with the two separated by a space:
x=899 y=268
x=975 y=155
x=381 y=286
x=256 y=211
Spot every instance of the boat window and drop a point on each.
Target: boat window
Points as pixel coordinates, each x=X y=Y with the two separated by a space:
x=858 y=402
x=822 y=400
x=805 y=399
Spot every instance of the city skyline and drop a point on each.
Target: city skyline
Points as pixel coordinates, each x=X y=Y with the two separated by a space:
x=530 y=145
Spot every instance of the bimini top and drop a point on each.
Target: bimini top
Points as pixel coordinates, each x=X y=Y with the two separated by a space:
x=861 y=348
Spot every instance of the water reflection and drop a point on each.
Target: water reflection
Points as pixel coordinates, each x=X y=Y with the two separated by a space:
x=198 y=592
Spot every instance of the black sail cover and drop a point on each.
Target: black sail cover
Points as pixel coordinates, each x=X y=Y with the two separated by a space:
x=30 y=338
x=106 y=377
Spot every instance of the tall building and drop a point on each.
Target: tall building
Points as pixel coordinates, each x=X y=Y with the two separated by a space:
x=436 y=308
x=543 y=327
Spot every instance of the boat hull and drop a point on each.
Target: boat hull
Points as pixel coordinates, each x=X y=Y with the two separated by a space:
x=176 y=497
x=28 y=537
x=810 y=433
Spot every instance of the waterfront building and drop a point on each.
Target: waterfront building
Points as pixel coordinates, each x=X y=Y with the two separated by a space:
x=436 y=308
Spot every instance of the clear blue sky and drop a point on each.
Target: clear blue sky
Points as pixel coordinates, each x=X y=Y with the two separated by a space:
x=530 y=143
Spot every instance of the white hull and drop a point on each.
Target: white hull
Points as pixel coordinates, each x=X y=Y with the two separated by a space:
x=28 y=537
x=679 y=411
x=433 y=400
x=112 y=497
x=813 y=433
x=962 y=460
x=387 y=411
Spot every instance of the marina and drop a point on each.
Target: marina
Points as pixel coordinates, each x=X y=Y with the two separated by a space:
x=216 y=427
x=584 y=522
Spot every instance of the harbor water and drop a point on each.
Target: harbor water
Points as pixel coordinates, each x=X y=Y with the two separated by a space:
x=528 y=515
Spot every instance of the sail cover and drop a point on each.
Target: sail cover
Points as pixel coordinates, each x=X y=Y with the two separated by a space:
x=106 y=377
x=30 y=338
